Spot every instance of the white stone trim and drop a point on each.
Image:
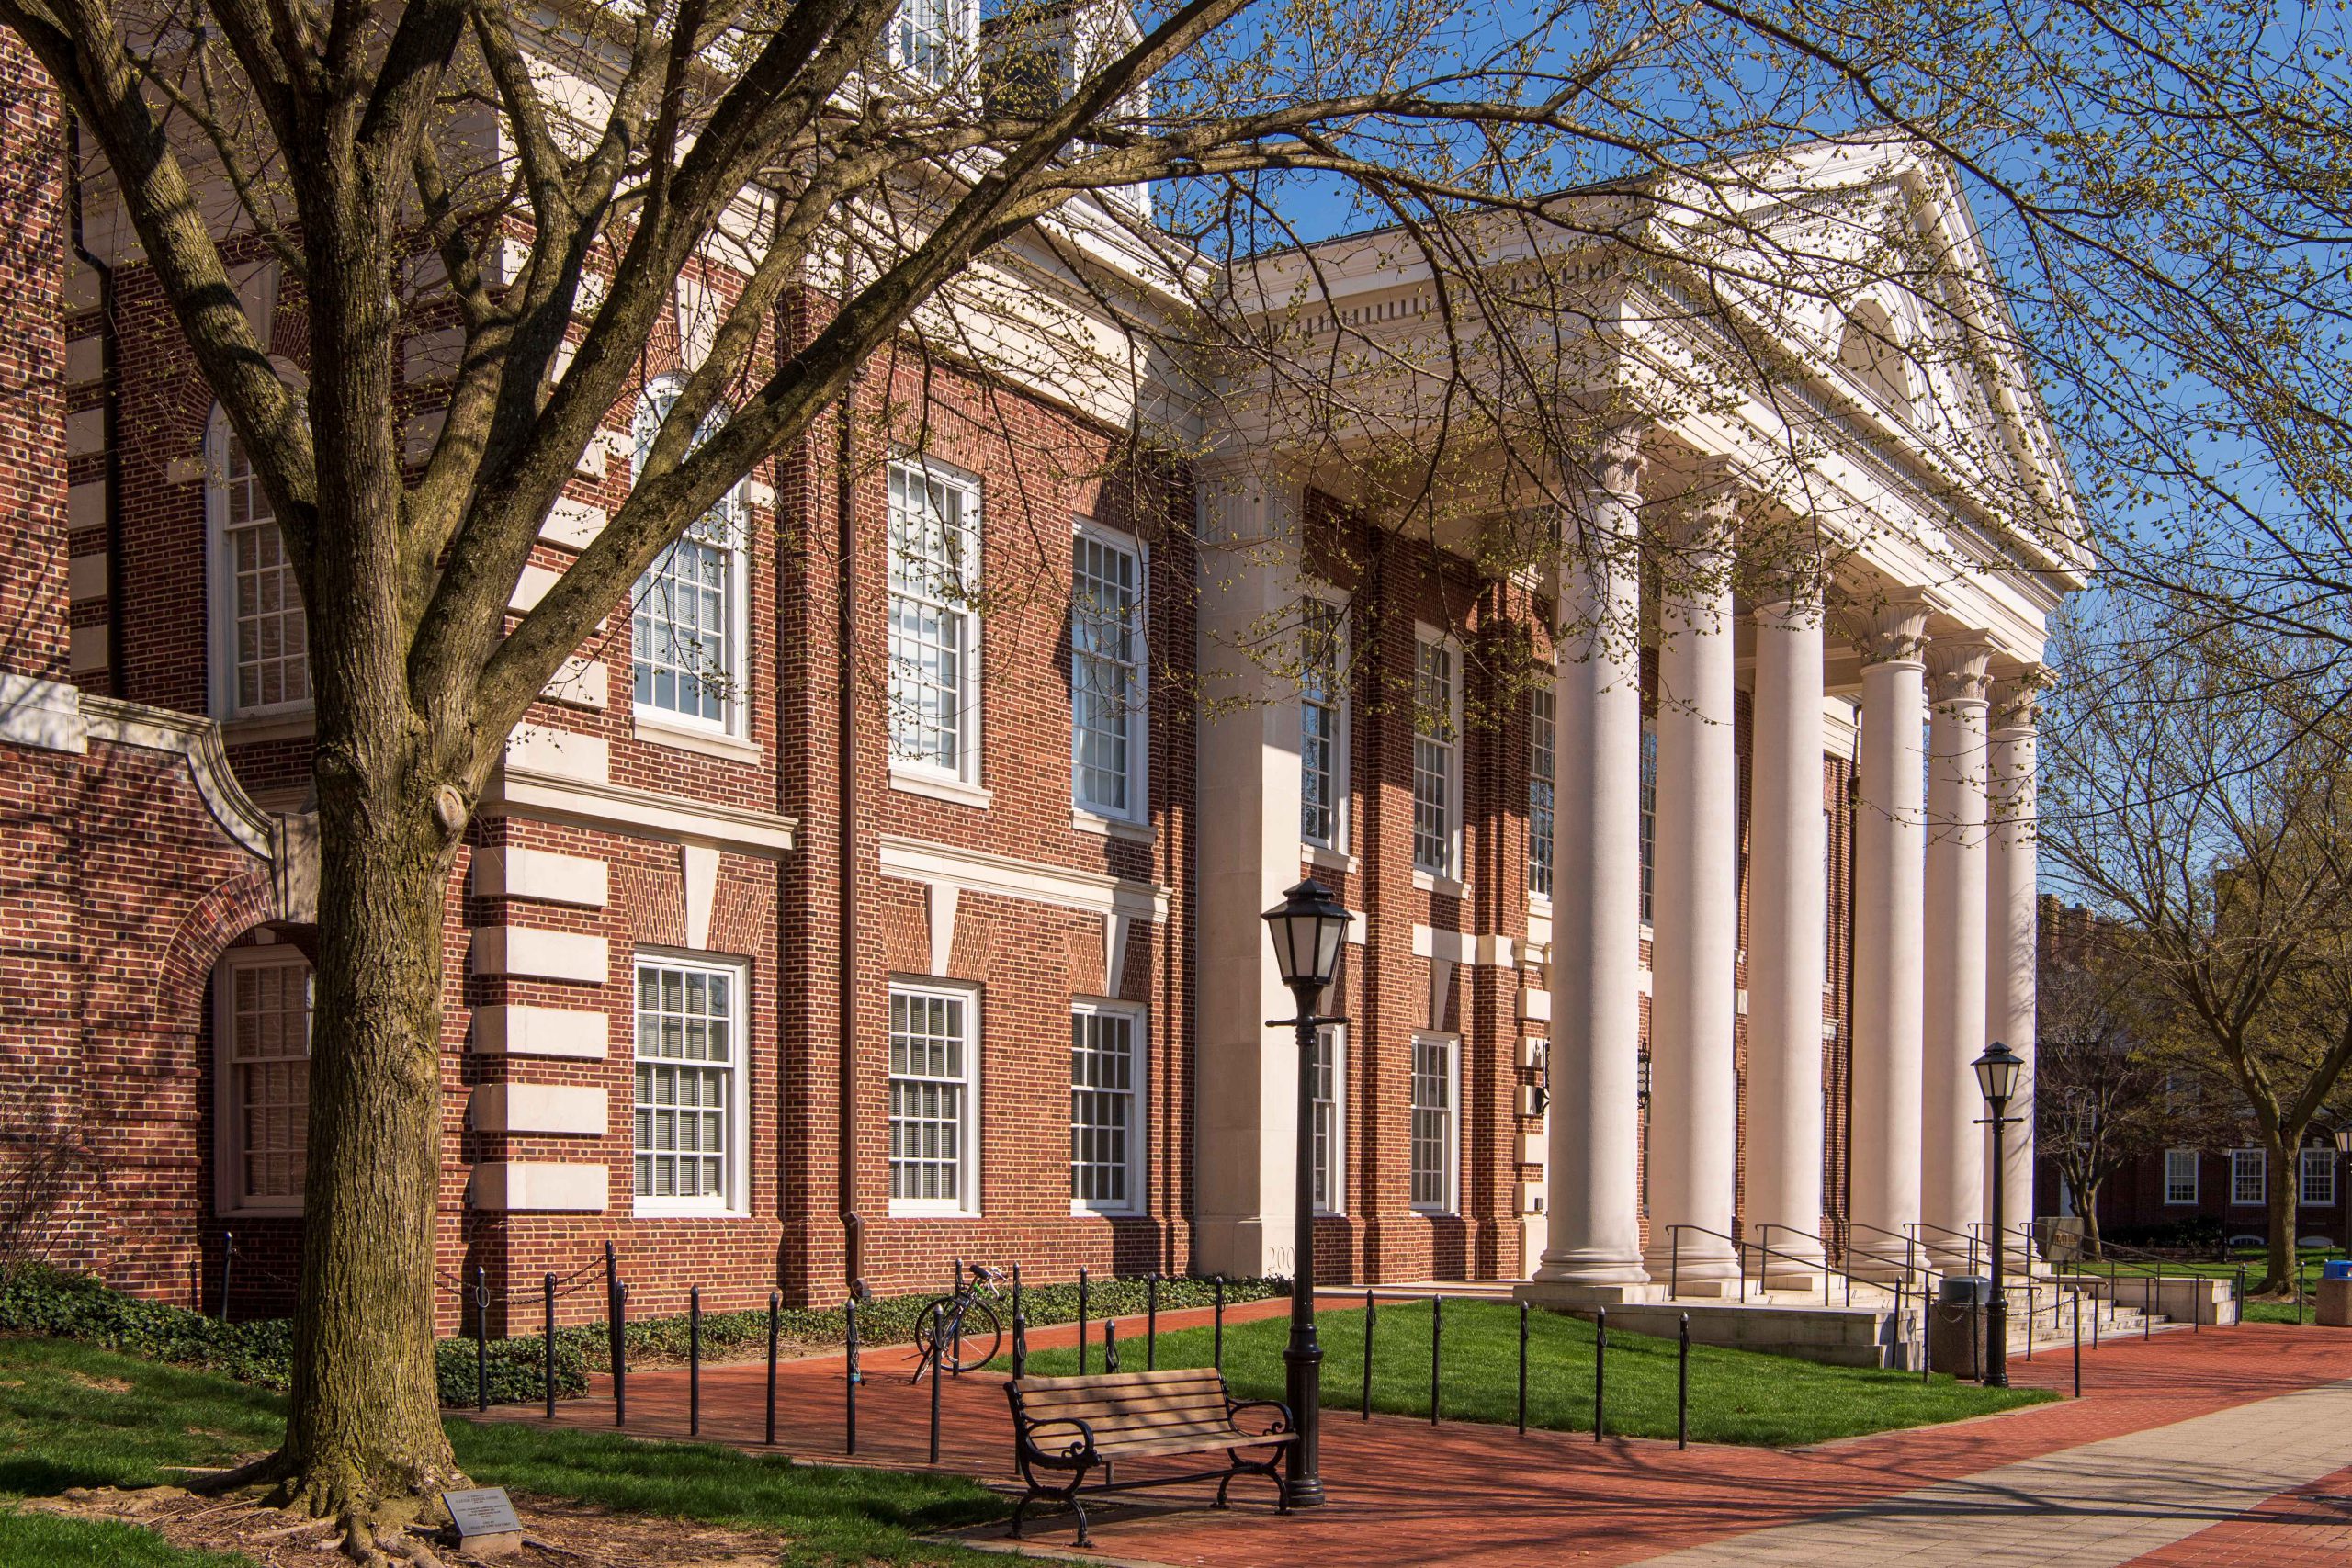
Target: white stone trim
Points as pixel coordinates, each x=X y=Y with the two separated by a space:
x=46 y=715
x=561 y=1110
x=1003 y=877
x=943 y=928
x=92 y=648
x=198 y=740
x=85 y=577
x=524 y=792
x=505 y=1186
x=1485 y=949
x=561 y=753
x=581 y=683
x=525 y=953
x=509 y=871
x=514 y=1029
x=646 y=726
x=85 y=505
x=934 y=785
x=573 y=525
x=699 y=870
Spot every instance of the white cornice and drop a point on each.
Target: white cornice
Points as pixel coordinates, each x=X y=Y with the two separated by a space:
x=1003 y=876
x=641 y=813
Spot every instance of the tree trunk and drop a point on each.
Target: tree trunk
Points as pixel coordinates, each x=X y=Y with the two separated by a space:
x=2286 y=1191
x=2086 y=1207
x=364 y=1440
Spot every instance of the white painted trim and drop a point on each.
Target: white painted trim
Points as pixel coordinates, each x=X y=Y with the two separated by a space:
x=1452 y=1044
x=1139 y=713
x=521 y=792
x=229 y=1197
x=1139 y=1123
x=972 y=695
x=736 y=1172
x=968 y=1205
x=932 y=784
x=514 y=1029
x=1343 y=744
x=1003 y=877
x=657 y=726
x=508 y=1185
x=1445 y=879
x=220 y=585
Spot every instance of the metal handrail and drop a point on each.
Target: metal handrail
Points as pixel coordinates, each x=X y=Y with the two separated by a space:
x=1826 y=1249
x=1910 y=1247
x=1740 y=1247
x=1968 y=1237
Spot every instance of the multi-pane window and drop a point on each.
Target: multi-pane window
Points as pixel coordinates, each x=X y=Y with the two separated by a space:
x=2317 y=1188
x=1322 y=723
x=688 y=1057
x=934 y=566
x=263 y=1013
x=1649 y=818
x=2249 y=1176
x=1329 y=1153
x=264 y=633
x=1542 y=738
x=1105 y=1123
x=1433 y=1131
x=1106 y=676
x=2180 y=1175
x=686 y=617
x=931 y=1112
x=1436 y=743
x=927 y=35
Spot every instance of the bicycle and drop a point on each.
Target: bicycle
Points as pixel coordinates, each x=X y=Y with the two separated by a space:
x=969 y=1322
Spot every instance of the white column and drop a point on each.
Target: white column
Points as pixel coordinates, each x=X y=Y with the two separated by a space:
x=1593 y=1195
x=1889 y=841
x=2012 y=944
x=1694 y=1082
x=1951 y=1154
x=1788 y=902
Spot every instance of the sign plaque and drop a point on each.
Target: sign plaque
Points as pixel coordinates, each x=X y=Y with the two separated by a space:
x=485 y=1519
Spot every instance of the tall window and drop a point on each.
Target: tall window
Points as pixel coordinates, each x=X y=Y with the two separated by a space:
x=1322 y=723
x=928 y=36
x=689 y=1063
x=1437 y=780
x=1105 y=1100
x=1107 y=715
x=2249 y=1176
x=262 y=1019
x=1542 y=738
x=933 y=1124
x=1331 y=1124
x=1433 y=1128
x=934 y=574
x=687 y=614
x=2180 y=1175
x=1649 y=818
x=261 y=641
x=2317 y=1188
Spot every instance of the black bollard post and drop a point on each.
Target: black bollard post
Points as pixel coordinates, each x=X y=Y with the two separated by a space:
x=481 y=1337
x=1436 y=1336
x=938 y=1328
x=1600 y=1369
x=1216 y=1334
x=228 y=1269
x=621 y=1354
x=547 y=1341
x=1682 y=1387
x=1110 y=1344
x=1151 y=1322
x=1523 y=1369
x=1369 y=1313
x=1082 y=1323
x=850 y=1379
x=693 y=1362
x=612 y=1276
x=2078 y=1344
x=775 y=1329
x=1019 y=1345
x=195 y=1283
x=1016 y=1292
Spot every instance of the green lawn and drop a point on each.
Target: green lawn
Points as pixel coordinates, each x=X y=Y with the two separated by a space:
x=1737 y=1396
x=73 y=1416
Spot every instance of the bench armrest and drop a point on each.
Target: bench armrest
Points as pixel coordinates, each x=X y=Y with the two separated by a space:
x=1065 y=1439
x=1279 y=1423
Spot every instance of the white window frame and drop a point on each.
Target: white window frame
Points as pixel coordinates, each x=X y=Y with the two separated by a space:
x=2306 y=1190
x=1543 y=719
x=963 y=779
x=958 y=35
x=1337 y=1144
x=1342 y=716
x=220 y=593
x=1451 y=1044
x=1426 y=638
x=1139 y=1102
x=726 y=528
x=2181 y=1168
x=2261 y=1162
x=229 y=1196
x=733 y=1200
x=1138 y=700
x=966 y=1204
x=1646 y=791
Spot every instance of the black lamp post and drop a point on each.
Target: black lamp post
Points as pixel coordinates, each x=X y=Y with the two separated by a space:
x=1308 y=927
x=1996 y=1075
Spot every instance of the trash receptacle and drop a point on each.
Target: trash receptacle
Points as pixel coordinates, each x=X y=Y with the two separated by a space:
x=1965 y=1290
x=1956 y=1324
x=2334 y=1302
x=2336 y=1268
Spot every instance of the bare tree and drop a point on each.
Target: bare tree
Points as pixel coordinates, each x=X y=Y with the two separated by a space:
x=842 y=179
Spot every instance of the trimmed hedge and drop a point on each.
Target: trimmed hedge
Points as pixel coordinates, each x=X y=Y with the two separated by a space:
x=37 y=1298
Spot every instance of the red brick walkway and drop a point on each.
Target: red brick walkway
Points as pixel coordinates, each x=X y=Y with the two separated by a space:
x=1405 y=1493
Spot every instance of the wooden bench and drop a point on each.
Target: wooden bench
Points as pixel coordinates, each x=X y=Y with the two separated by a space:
x=1076 y=1425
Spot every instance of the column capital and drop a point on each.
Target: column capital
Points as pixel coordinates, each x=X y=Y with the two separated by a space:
x=1617 y=464
x=1959 y=670
x=2017 y=700
x=1897 y=632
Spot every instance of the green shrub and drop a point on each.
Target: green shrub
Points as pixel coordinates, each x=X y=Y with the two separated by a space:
x=37 y=1299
